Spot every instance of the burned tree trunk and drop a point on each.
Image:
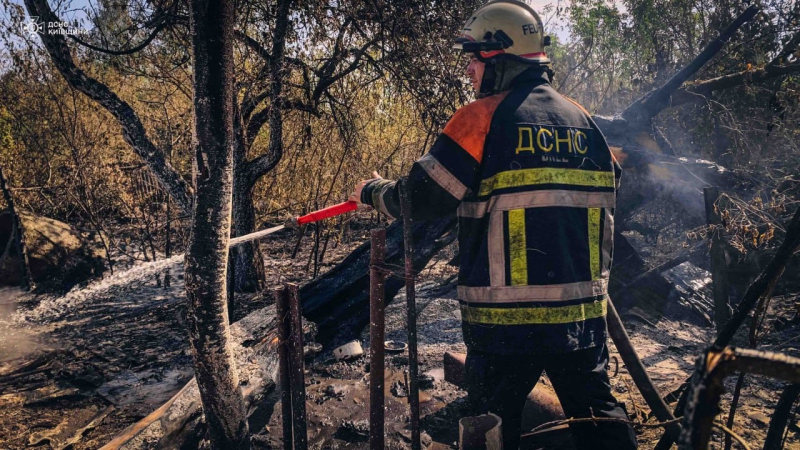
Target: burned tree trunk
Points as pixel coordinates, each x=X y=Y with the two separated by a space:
x=207 y=255
x=249 y=265
x=17 y=235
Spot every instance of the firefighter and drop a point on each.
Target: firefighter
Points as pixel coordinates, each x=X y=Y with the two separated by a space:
x=533 y=183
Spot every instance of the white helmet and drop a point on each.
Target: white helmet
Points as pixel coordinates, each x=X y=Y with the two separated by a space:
x=505 y=29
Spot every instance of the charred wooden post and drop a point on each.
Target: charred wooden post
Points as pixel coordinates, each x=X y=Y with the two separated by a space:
x=780 y=418
x=18 y=235
x=411 y=315
x=707 y=386
x=282 y=313
x=635 y=367
x=297 y=370
x=377 y=276
x=719 y=266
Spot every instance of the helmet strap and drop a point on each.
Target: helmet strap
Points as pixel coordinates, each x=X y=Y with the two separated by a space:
x=489 y=77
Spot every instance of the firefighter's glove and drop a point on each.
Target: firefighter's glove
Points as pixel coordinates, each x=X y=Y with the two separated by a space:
x=361 y=195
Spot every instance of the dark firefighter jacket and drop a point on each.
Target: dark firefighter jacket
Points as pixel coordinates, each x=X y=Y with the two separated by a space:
x=534 y=185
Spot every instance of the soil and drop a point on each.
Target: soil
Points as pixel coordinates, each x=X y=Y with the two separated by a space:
x=77 y=369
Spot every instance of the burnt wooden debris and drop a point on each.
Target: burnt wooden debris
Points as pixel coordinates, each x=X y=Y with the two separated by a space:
x=719 y=266
x=761 y=287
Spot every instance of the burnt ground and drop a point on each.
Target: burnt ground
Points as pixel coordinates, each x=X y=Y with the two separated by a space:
x=77 y=369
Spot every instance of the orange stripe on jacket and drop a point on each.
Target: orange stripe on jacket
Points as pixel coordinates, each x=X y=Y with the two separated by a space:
x=470 y=124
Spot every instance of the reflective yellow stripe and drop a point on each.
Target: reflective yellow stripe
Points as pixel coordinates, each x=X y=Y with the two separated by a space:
x=540 y=315
x=594 y=242
x=608 y=244
x=517 y=249
x=546 y=175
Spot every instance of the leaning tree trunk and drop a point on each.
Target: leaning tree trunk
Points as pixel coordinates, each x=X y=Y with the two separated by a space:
x=207 y=255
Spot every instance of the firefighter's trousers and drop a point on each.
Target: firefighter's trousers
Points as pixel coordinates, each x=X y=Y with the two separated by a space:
x=501 y=383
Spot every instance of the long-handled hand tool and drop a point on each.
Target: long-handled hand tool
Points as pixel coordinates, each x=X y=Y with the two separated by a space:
x=326 y=213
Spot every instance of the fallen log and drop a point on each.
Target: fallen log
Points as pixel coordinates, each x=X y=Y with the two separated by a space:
x=338 y=301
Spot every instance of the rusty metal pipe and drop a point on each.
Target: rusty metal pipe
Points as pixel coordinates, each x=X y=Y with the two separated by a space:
x=377 y=280
x=297 y=372
x=282 y=310
x=411 y=314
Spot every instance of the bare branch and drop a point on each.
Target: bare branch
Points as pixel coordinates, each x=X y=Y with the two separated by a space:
x=129 y=51
x=132 y=129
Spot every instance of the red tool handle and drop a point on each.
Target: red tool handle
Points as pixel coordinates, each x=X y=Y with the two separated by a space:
x=328 y=212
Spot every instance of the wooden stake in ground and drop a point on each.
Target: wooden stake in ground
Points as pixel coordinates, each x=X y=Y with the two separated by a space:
x=719 y=266
x=377 y=278
x=411 y=314
x=207 y=254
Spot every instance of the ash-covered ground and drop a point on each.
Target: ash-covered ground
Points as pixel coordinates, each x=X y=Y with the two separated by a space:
x=76 y=370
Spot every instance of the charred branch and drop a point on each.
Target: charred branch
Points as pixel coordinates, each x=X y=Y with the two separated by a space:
x=644 y=109
x=129 y=51
x=706 y=390
x=780 y=418
x=703 y=89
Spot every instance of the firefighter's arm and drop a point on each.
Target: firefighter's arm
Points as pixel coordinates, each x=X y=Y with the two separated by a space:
x=441 y=179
